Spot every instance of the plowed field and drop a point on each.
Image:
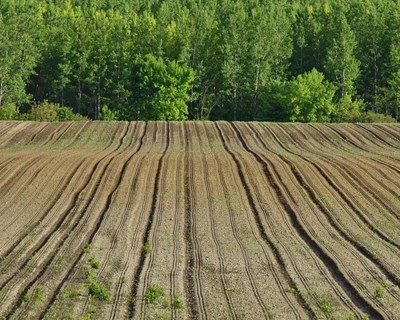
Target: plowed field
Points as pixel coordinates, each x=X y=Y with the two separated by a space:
x=161 y=220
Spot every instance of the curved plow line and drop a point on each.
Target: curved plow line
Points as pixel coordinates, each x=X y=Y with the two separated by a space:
x=139 y=268
x=329 y=263
x=342 y=195
x=365 y=252
x=259 y=223
x=71 y=208
x=195 y=296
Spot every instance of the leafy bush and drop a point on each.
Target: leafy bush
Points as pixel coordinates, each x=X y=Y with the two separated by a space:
x=108 y=115
x=50 y=112
x=67 y=114
x=348 y=110
x=147 y=248
x=307 y=98
x=373 y=117
x=9 y=112
x=44 y=111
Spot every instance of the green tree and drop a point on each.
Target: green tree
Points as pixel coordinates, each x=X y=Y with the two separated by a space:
x=342 y=67
x=160 y=89
x=308 y=98
x=21 y=24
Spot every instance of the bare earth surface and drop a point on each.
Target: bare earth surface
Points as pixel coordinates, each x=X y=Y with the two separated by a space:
x=199 y=220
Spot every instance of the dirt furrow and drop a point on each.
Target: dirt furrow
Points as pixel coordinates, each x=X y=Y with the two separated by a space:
x=15 y=249
x=176 y=272
x=392 y=276
x=99 y=218
x=194 y=290
x=259 y=217
x=211 y=213
x=342 y=142
x=328 y=149
x=295 y=263
x=357 y=182
x=336 y=257
x=62 y=217
x=52 y=207
x=159 y=270
x=353 y=203
x=388 y=130
x=146 y=236
x=133 y=247
x=78 y=133
x=236 y=225
x=297 y=225
x=6 y=126
x=124 y=219
x=376 y=136
x=352 y=140
x=11 y=132
x=56 y=134
x=61 y=227
x=37 y=133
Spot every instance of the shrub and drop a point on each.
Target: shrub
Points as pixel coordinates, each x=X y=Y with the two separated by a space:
x=373 y=117
x=108 y=115
x=9 y=112
x=44 y=111
x=67 y=114
x=348 y=110
x=326 y=305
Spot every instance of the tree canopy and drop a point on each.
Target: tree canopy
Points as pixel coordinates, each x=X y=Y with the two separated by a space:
x=275 y=60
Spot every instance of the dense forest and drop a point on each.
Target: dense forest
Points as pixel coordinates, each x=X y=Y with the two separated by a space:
x=275 y=60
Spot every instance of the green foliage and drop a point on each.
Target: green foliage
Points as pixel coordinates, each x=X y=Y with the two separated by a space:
x=96 y=289
x=160 y=89
x=21 y=33
x=9 y=112
x=308 y=98
x=373 y=117
x=108 y=115
x=147 y=248
x=36 y=297
x=44 y=111
x=153 y=293
x=326 y=305
x=94 y=263
x=348 y=110
x=379 y=292
x=50 y=112
x=184 y=59
x=67 y=114
x=87 y=248
x=177 y=303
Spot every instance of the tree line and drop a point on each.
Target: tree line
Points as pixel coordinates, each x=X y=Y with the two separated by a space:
x=274 y=60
